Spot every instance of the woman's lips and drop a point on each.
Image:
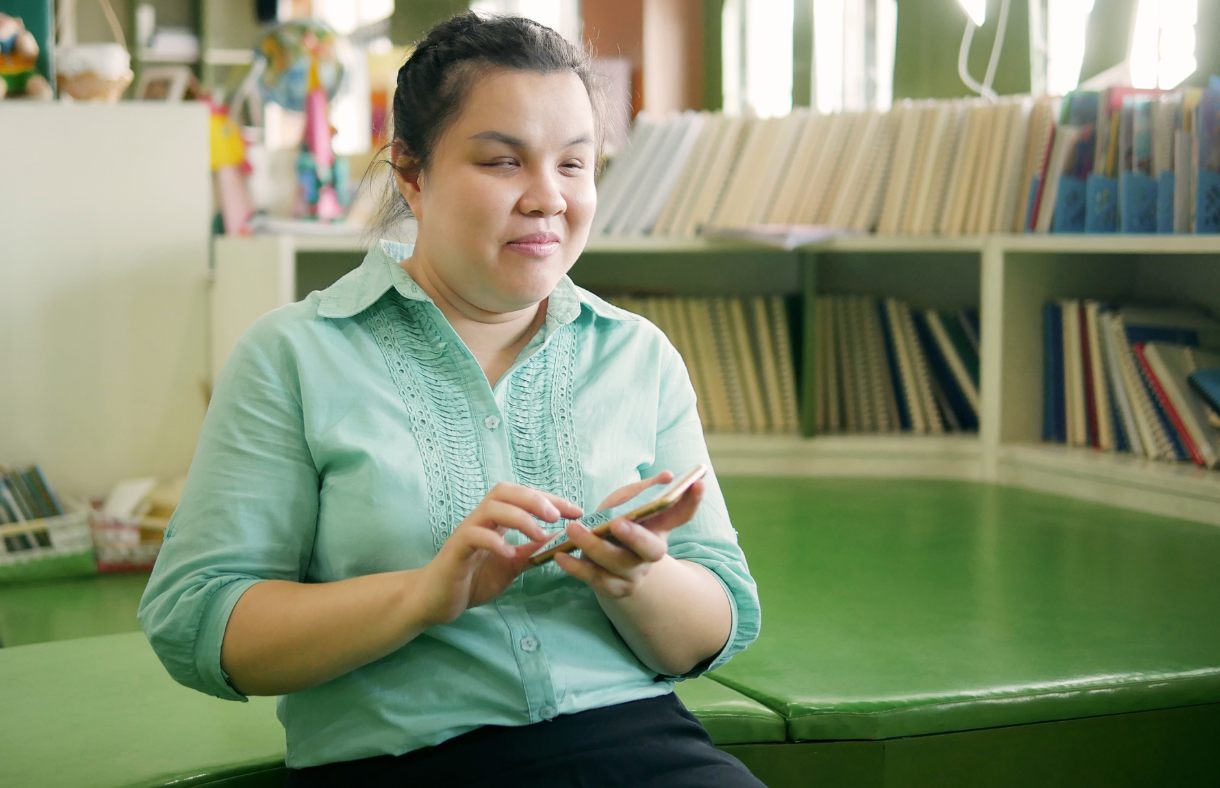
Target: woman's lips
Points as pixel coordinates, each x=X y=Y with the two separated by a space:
x=535 y=244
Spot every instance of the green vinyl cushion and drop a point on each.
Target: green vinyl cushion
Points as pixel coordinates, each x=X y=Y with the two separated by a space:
x=729 y=716
x=44 y=610
x=101 y=712
x=902 y=607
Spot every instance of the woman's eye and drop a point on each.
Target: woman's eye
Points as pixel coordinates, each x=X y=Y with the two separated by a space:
x=501 y=163
x=573 y=165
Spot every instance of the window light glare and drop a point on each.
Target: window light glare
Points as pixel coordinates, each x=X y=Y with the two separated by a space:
x=1163 y=47
x=976 y=10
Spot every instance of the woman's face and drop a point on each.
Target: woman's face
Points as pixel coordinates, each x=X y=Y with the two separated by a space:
x=505 y=205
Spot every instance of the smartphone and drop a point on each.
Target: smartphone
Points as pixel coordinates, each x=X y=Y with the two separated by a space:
x=599 y=521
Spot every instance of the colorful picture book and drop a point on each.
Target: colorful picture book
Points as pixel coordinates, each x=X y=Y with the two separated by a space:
x=739 y=353
x=883 y=366
x=1119 y=160
x=1132 y=379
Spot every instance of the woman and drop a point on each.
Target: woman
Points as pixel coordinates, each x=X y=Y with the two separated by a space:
x=380 y=459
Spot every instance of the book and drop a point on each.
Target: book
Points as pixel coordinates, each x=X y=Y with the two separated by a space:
x=1172 y=365
x=1206 y=382
x=1098 y=379
x=1053 y=423
x=1133 y=434
x=748 y=365
x=784 y=360
x=1156 y=382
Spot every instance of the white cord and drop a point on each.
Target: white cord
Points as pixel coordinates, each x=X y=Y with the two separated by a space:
x=963 y=55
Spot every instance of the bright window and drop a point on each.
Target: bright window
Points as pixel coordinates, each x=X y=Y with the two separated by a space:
x=560 y=15
x=1163 y=48
x=853 y=54
x=1066 y=23
x=757 y=56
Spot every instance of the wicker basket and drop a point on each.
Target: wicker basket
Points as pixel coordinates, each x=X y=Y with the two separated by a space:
x=88 y=86
x=125 y=544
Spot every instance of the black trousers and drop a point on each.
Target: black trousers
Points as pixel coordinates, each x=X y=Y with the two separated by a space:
x=652 y=743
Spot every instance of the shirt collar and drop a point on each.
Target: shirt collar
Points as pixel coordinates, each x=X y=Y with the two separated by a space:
x=360 y=289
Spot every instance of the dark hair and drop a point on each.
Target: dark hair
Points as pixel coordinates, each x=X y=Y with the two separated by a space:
x=436 y=78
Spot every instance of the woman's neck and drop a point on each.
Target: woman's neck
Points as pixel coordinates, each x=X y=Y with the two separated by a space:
x=495 y=338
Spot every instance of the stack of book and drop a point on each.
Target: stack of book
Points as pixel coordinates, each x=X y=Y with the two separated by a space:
x=949 y=167
x=1145 y=381
x=739 y=354
x=34 y=524
x=885 y=367
x=25 y=495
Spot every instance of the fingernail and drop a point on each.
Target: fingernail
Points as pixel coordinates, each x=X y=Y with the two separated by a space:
x=550 y=511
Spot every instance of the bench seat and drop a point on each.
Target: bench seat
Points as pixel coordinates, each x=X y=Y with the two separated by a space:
x=906 y=608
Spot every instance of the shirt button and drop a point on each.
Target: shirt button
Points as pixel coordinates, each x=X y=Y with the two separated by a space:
x=547 y=712
x=492 y=422
x=528 y=644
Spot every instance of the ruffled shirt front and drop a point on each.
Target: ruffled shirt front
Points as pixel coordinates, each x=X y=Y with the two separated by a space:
x=349 y=433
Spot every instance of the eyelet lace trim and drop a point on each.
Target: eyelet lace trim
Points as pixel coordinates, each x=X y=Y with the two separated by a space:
x=541 y=430
x=434 y=392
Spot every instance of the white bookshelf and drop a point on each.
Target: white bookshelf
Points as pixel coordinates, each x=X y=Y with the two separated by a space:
x=1007 y=277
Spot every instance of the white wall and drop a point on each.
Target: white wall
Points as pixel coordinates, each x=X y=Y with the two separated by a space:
x=104 y=229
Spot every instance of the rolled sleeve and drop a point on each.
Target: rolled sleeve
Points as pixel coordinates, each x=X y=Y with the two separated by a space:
x=248 y=512
x=709 y=538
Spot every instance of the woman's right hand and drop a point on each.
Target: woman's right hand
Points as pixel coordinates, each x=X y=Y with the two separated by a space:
x=476 y=563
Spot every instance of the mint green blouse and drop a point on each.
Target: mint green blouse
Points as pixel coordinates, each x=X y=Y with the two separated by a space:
x=349 y=433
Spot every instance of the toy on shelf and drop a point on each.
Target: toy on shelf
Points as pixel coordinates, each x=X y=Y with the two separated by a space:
x=18 y=56
x=301 y=72
x=229 y=171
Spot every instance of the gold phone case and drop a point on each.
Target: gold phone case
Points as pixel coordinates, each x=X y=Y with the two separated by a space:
x=599 y=521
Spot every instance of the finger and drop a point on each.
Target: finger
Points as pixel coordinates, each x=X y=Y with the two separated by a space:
x=640 y=540
x=494 y=514
x=542 y=505
x=618 y=560
x=468 y=541
x=627 y=492
x=678 y=514
x=595 y=576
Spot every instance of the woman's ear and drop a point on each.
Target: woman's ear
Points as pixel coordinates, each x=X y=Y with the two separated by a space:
x=407 y=177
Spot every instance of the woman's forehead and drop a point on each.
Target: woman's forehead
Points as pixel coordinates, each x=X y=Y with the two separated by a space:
x=552 y=109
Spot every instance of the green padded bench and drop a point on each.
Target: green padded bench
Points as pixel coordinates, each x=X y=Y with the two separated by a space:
x=963 y=634
x=76 y=607
x=101 y=712
x=915 y=633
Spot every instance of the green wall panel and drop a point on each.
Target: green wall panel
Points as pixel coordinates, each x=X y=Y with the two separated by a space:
x=930 y=35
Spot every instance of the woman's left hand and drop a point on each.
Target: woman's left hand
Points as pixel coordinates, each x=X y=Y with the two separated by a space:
x=617 y=570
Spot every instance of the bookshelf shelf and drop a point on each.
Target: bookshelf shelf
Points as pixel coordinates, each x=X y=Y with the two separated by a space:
x=886 y=455
x=1177 y=489
x=1007 y=277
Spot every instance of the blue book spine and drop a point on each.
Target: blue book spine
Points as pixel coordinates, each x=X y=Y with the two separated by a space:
x=1101 y=204
x=891 y=357
x=1164 y=202
x=1173 y=336
x=1207 y=383
x=1054 y=421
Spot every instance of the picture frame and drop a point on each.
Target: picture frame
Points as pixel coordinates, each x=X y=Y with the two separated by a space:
x=163 y=83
